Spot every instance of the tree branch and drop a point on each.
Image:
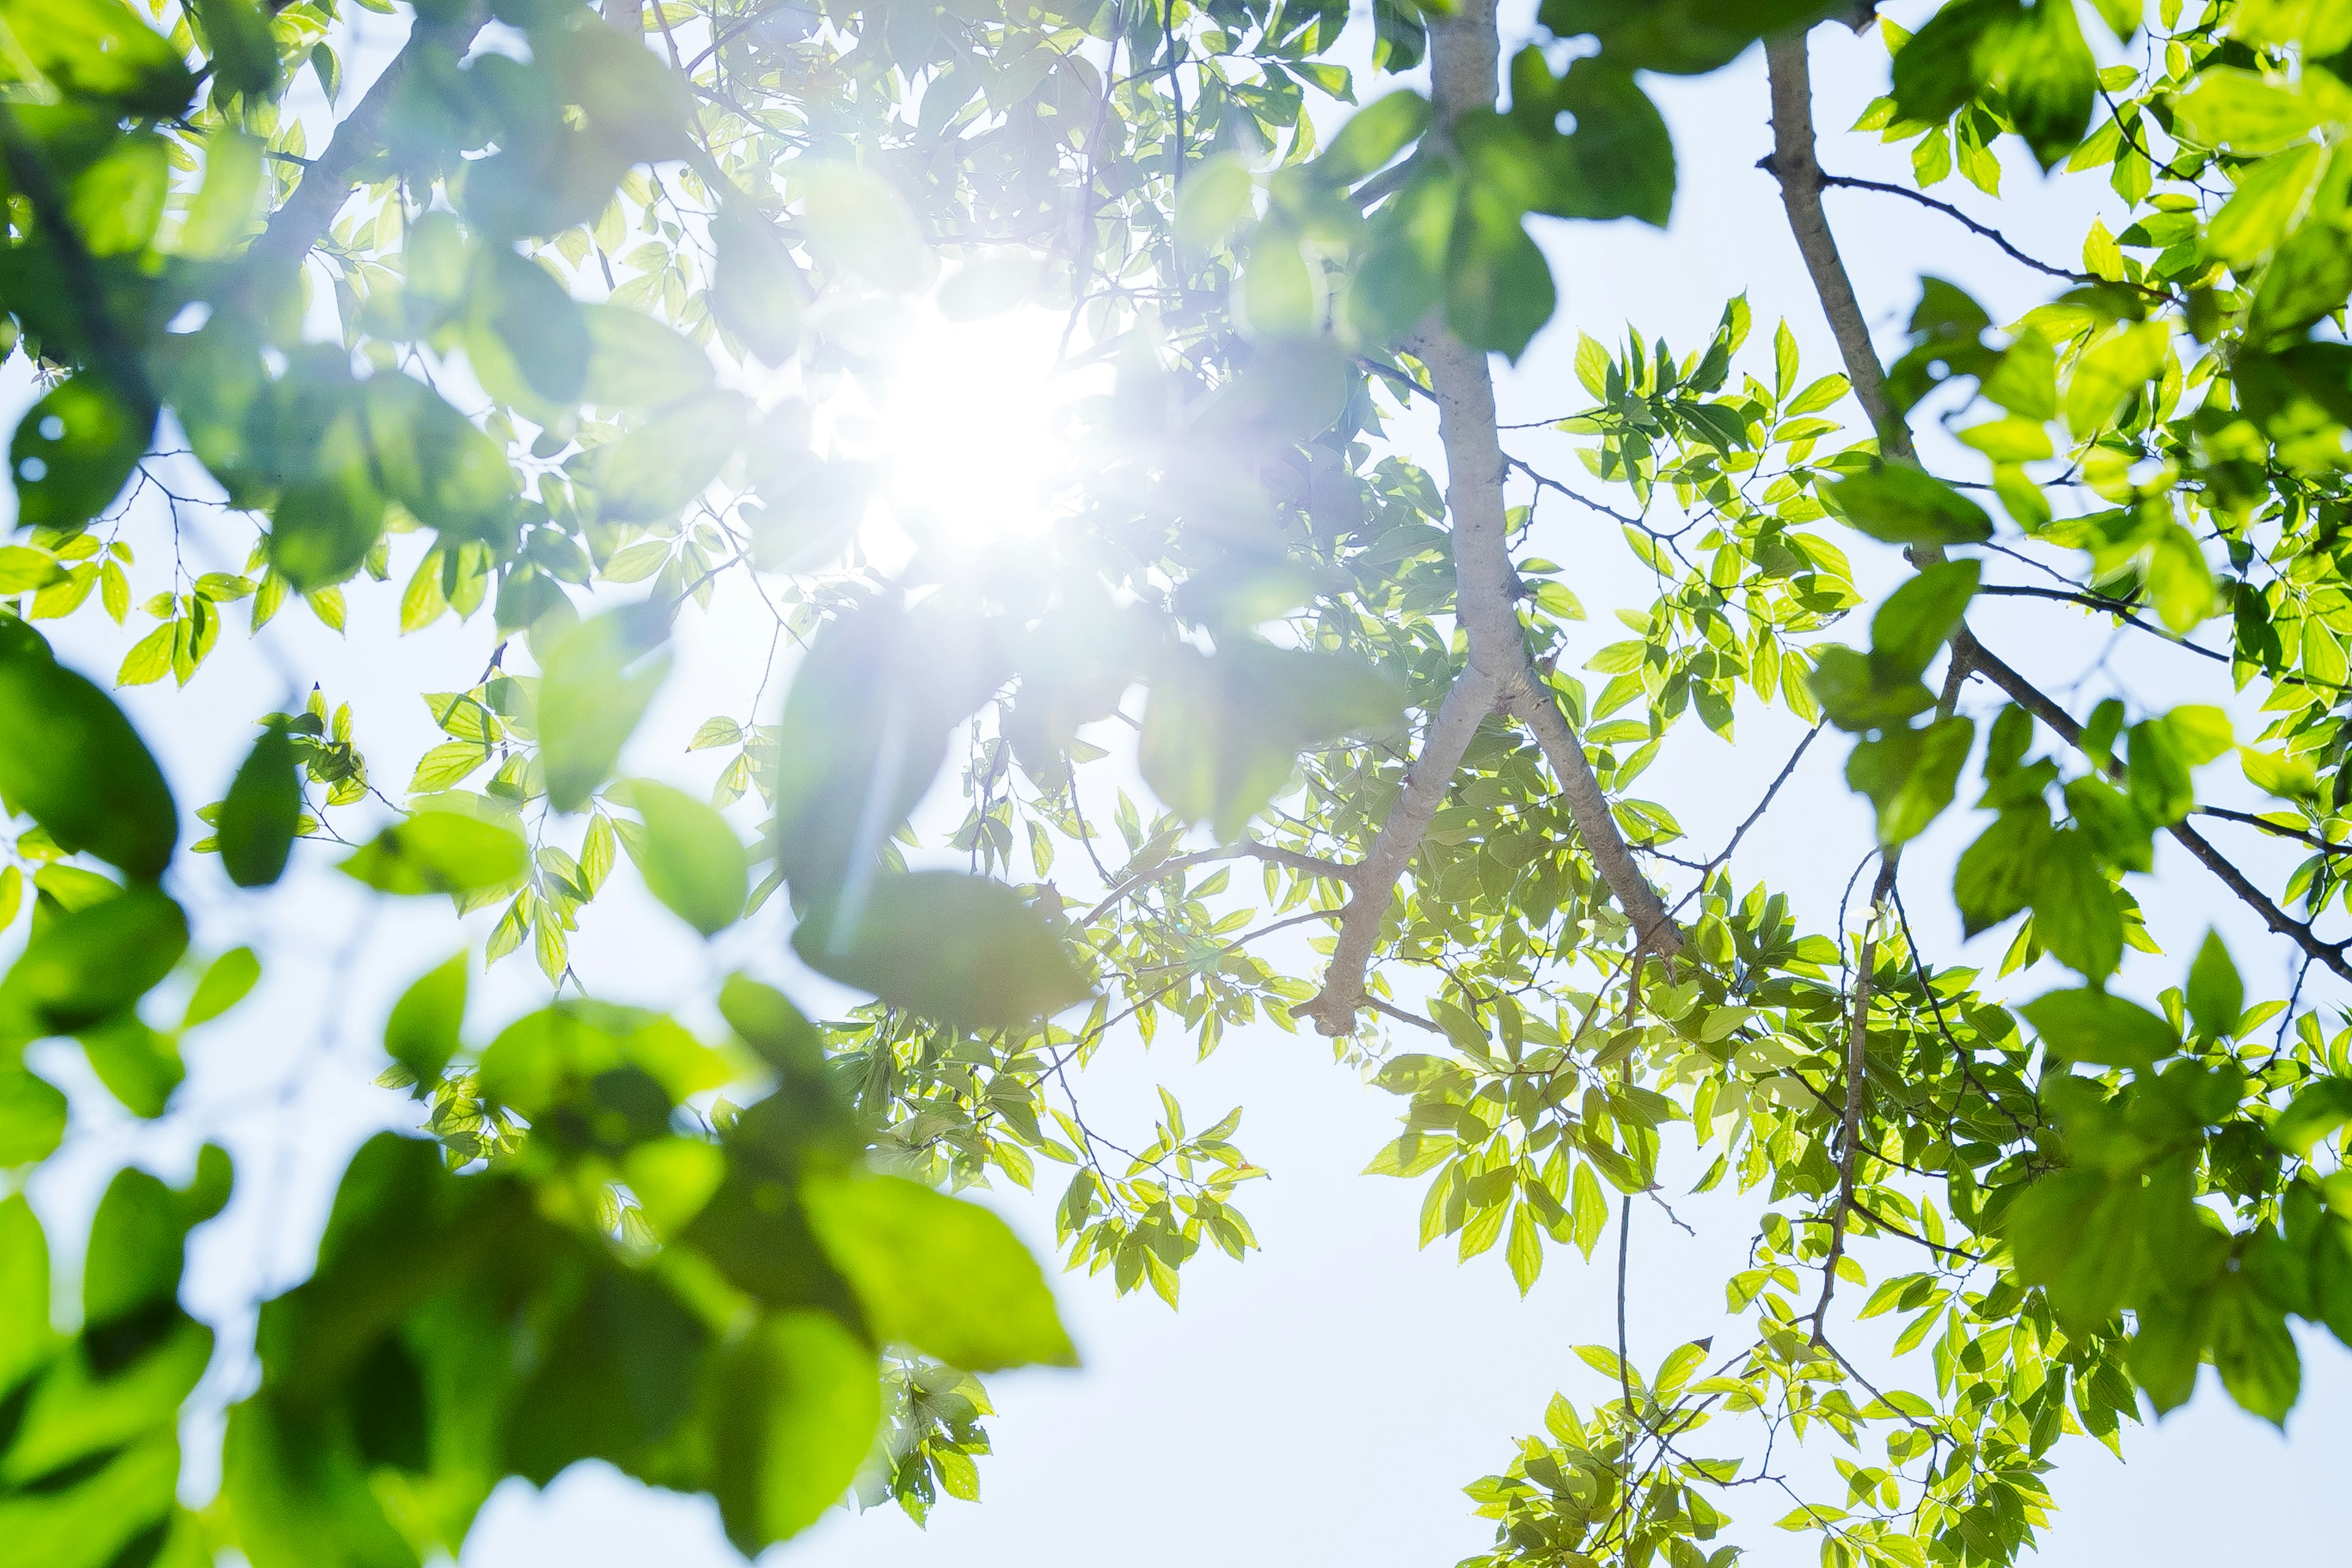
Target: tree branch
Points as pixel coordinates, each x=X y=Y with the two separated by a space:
x=1798 y=171
x=1849 y=182
x=1535 y=706
x=296 y=228
x=1467 y=703
x=2035 y=701
x=1464 y=52
x=1159 y=870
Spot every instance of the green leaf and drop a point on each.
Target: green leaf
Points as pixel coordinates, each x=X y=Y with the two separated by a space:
x=2179 y=580
x=1910 y=775
x=100 y=49
x=245 y=56
x=117 y=203
x=2215 y=996
x=691 y=859
x=2087 y=1025
x=617 y=1379
x=1901 y=505
x=757 y=290
x=440 y=852
x=659 y=467
x=433 y=460
x=2318 y=1108
x=798 y=1401
x=32 y=1125
x=1921 y=615
x=222 y=215
x=864 y=732
x=1947 y=62
x=2052 y=82
x=2253 y=1350
x=1620 y=160
x=2239 y=110
x=594 y=685
x=261 y=812
x=1218 y=198
x=960 y=950
x=635 y=362
x=857 y=221
x=2074 y=912
x=532 y=325
x=1498 y=287
x=421 y=1032
x=2290 y=778
x=2265 y=200
x=1221 y=734
x=1365 y=145
x=72 y=761
x=2083 y=1236
x=91 y=963
x=2307 y=279
x=138 y=1065
x=76 y=448
x=25 y=1331
x=938 y=1273
x=226 y=981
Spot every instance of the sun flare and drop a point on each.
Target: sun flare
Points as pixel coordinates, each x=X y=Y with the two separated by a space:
x=973 y=430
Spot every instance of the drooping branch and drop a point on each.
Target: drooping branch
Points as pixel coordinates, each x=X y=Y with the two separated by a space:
x=297 y=227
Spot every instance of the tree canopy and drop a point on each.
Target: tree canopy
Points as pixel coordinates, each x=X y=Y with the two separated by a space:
x=550 y=339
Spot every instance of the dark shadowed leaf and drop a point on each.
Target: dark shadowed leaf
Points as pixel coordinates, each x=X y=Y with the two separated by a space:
x=71 y=760
x=259 y=814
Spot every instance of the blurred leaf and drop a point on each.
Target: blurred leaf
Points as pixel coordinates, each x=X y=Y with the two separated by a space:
x=2087 y=1025
x=76 y=448
x=692 y=859
x=939 y=1273
x=421 y=1032
x=261 y=811
x=1222 y=733
x=960 y=950
x=439 y=852
x=72 y=760
x=798 y=1404
x=594 y=688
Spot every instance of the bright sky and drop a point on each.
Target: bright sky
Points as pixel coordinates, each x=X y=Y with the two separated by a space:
x=1325 y=1401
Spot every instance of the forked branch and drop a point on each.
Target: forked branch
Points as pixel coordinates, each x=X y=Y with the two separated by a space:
x=1464 y=52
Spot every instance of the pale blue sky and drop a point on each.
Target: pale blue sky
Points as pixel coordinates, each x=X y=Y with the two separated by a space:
x=1325 y=1402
